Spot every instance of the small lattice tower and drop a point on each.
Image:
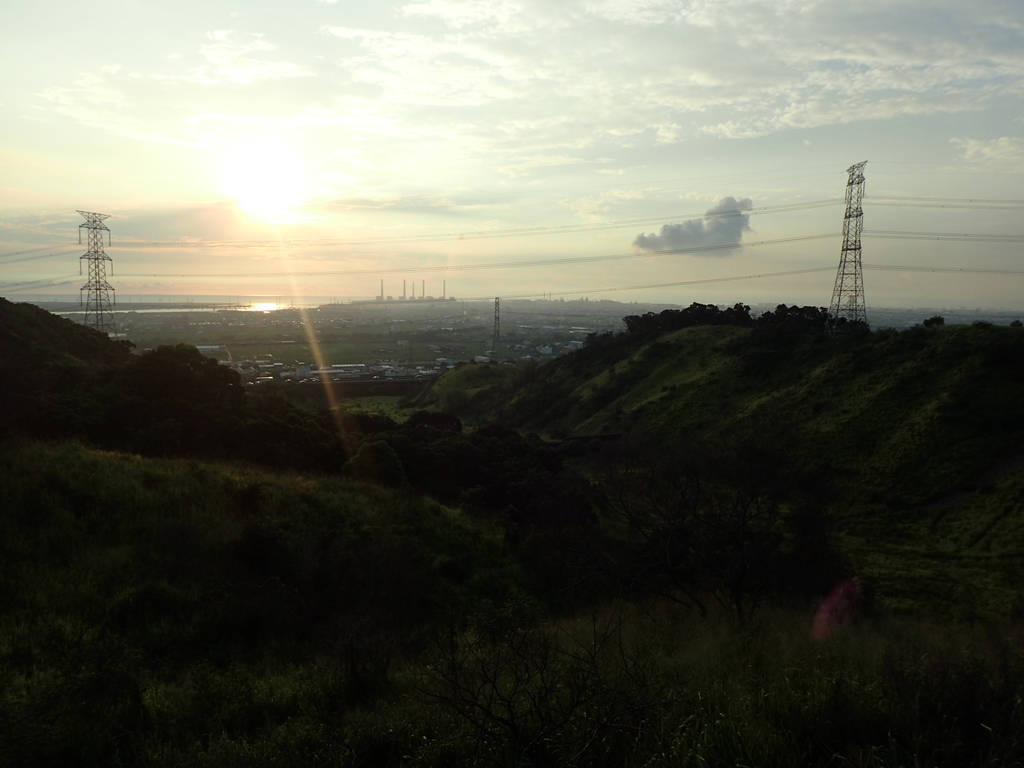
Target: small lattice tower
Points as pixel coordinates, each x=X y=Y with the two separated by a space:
x=848 y=294
x=497 y=326
x=98 y=301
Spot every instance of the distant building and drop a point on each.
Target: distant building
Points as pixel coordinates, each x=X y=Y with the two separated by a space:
x=346 y=370
x=218 y=352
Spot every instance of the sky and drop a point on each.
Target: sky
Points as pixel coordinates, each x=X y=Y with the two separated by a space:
x=312 y=148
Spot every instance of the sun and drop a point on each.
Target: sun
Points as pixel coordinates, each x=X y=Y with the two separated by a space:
x=267 y=180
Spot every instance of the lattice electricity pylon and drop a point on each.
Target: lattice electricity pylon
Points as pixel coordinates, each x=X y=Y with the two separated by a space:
x=497 y=327
x=848 y=294
x=98 y=302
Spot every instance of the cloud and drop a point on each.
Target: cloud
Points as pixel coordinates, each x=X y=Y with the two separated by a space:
x=524 y=166
x=150 y=106
x=668 y=71
x=115 y=104
x=458 y=14
x=409 y=203
x=518 y=91
x=1006 y=152
x=722 y=226
x=228 y=60
x=595 y=208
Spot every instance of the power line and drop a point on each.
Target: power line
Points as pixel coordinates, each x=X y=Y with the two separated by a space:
x=673 y=284
x=561 y=261
x=983 y=237
x=961 y=270
x=34 y=284
x=893 y=201
x=900 y=198
x=495 y=265
x=499 y=233
x=758 y=276
x=962 y=206
x=884 y=200
x=36 y=258
x=36 y=250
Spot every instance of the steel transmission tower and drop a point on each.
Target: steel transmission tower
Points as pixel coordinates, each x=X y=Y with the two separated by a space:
x=497 y=327
x=848 y=294
x=98 y=302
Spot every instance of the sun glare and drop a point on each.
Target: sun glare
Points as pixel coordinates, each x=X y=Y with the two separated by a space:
x=264 y=307
x=266 y=180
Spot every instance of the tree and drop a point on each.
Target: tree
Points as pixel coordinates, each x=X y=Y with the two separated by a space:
x=170 y=400
x=376 y=462
x=182 y=374
x=691 y=523
x=800 y=319
x=532 y=696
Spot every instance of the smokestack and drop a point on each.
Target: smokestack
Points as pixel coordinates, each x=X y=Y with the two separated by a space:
x=403 y=287
x=382 y=287
x=444 y=290
x=423 y=289
x=414 y=290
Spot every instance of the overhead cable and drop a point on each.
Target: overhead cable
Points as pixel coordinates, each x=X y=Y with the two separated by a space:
x=36 y=258
x=497 y=233
x=673 y=284
x=757 y=276
x=36 y=250
x=982 y=237
x=494 y=265
x=31 y=285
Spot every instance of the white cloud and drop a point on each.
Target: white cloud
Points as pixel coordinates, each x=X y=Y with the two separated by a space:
x=525 y=87
x=524 y=166
x=389 y=202
x=458 y=14
x=722 y=228
x=99 y=101
x=1006 y=152
x=228 y=60
x=154 y=107
x=741 y=68
x=416 y=69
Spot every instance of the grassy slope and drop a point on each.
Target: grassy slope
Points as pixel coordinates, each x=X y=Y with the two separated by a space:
x=475 y=392
x=217 y=551
x=189 y=613
x=149 y=606
x=915 y=437
x=30 y=334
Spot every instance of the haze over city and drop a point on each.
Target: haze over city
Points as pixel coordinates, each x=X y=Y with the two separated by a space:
x=315 y=148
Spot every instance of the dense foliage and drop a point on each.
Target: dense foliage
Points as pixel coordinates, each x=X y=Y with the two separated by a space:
x=196 y=574
x=177 y=613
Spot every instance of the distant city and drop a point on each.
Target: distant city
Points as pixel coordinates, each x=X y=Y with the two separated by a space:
x=878 y=317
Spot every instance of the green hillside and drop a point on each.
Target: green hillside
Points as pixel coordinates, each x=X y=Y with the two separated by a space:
x=159 y=612
x=196 y=574
x=913 y=440
x=476 y=392
x=902 y=417
x=149 y=597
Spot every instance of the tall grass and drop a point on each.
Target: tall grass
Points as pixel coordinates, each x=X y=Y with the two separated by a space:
x=174 y=613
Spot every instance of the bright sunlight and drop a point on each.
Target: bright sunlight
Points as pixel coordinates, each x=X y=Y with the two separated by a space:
x=266 y=180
